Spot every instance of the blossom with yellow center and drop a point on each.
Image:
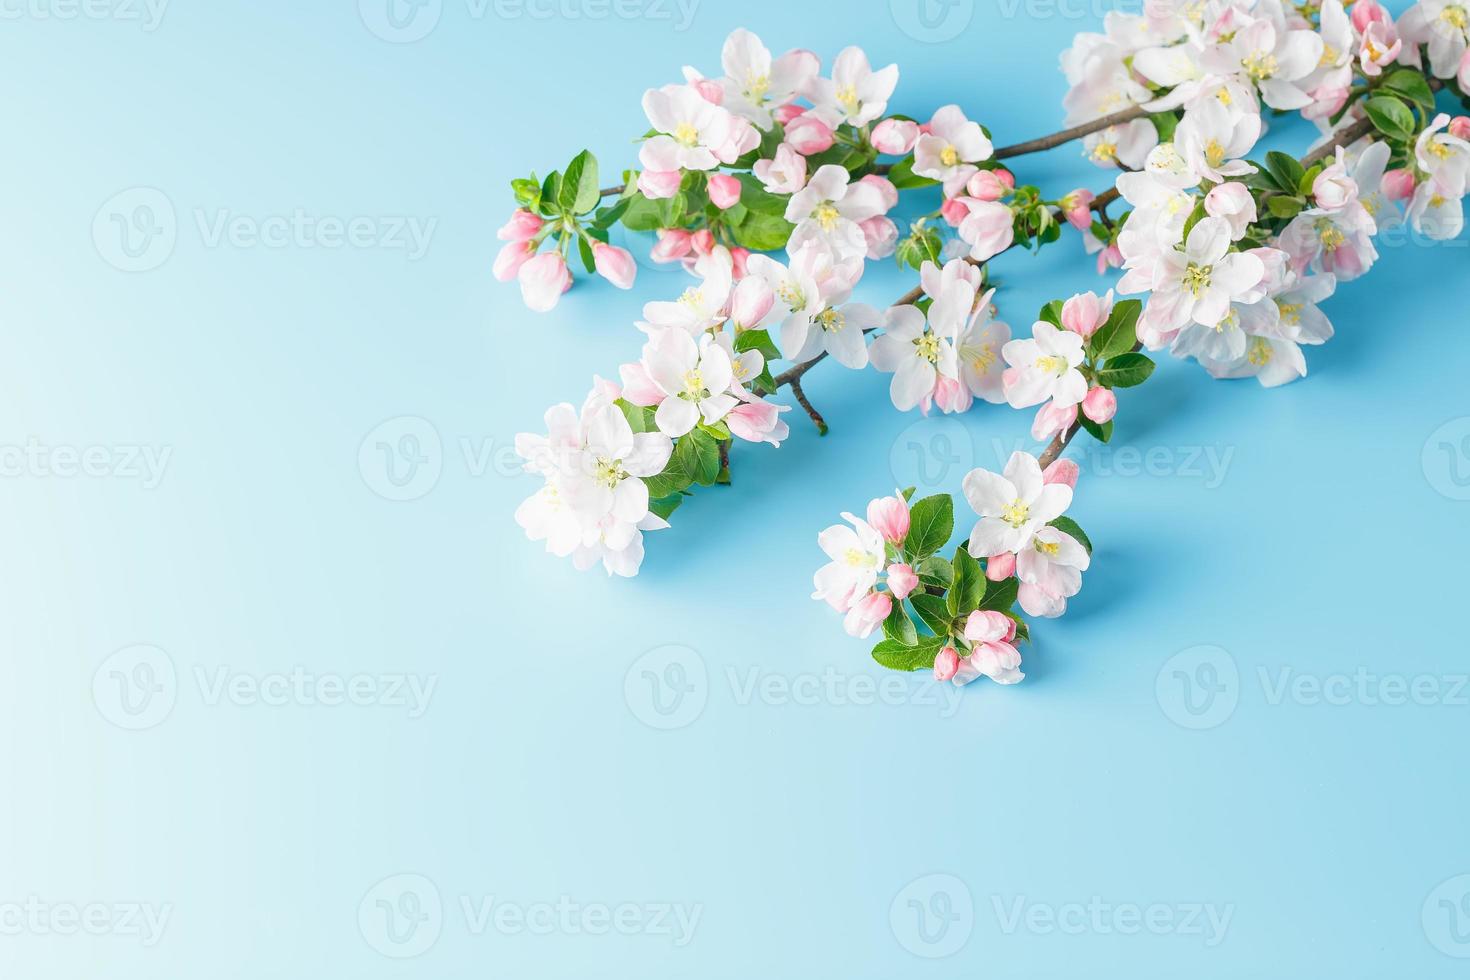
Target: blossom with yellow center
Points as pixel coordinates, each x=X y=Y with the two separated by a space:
x=685 y=134
x=1260 y=352
x=1260 y=66
x=1197 y=279
x=949 y=156
x=1017 y=513
x=826 y=215
x=928 y=347
x=831 y=320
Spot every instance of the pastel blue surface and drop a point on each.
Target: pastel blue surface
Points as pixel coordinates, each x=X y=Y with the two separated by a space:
x=1240 y=754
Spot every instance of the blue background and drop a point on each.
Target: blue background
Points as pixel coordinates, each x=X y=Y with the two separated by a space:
x=801 y=821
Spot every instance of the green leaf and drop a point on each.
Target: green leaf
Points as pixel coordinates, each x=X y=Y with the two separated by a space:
x=761 y=232
x=1285 y=207
x=1391 y=117
x=1126 y=370
x=899 y=627
x=579 y=192
x=755 y=197
x=1411 y=85
x=699 y=454
x=897 y=656
x=934 y=611
x=1195 y=217
x=1165 y=123
x=664 y=506
x=1102 y=433
x=931 y=522
x=1304 y=187
x=1285 y=169
x=1052 y=313
x=1120 y=334
x=674 y=479
x=757 y=340
x=935 y=570
x=585 y=250
x=903 y=177
x=969 y=584
x=1069 y=526
x=1000 y=596
x=551 y=189
x=643 y=214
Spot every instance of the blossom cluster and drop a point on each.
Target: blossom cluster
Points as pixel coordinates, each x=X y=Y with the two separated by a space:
x=1234 y=256
x=886 y=571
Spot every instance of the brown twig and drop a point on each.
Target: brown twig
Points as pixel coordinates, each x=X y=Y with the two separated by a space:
x=801 y=400
x=1068 y=135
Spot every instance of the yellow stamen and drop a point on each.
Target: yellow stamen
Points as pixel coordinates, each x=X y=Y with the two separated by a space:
x=685 y=134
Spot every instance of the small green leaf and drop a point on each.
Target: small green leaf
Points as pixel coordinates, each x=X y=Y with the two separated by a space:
x=934 y=570
x=585 y=250
x=699 y=454
x=674 y=479
x=762 y=232
x=1285 y=169
x=1068 y=526
x=1165 y=123
x=931 y=522
x=903 y=177
x=757 y=340
x=969 y=584
x=933 y=610
x=1391 y=117
x=527 y=192
x=1285 y=207
x=920 y=656
x=1052 y=313
x=1120 y=334
x=579 y=192
x=1000 y=596
x=664 y=506
x=1102 y=433
x=1411 y=85
x=1125 y=370
x=1304 y=187
x=899 y=627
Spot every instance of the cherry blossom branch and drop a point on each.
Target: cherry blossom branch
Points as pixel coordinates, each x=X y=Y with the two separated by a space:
x=1065 y=136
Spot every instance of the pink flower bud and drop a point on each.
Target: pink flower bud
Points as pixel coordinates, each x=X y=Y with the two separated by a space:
x=543 y=280
x=889 y=516
x=1077 y=206
x=512 y=256
x=709 y=90
x=658 y=184
x=1460 y=125
x=785 y=113
x=724 y=191
x=1333 y=189
x=1062 y=471
x=1051 y=420
x=615 y=264
x=808 y=135
x=673 y=245
x=1000 y=567
x=954 y=210
x=1399 y=184
x=759 y=421
x=881 y=235
x=738 y=257
x=952 y=396
x=867 y=614
x=987 y=626
x=1100 y=405
x=984 y=185
x=895 y=137
x=1366 y=12
x=1086 y=312
x=703 y=241
x=946 y=664
x=751 y=301
x=523 y=225
x=1109 y=258
x=901 y=581
x=638 y=387
x=1006 y=177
